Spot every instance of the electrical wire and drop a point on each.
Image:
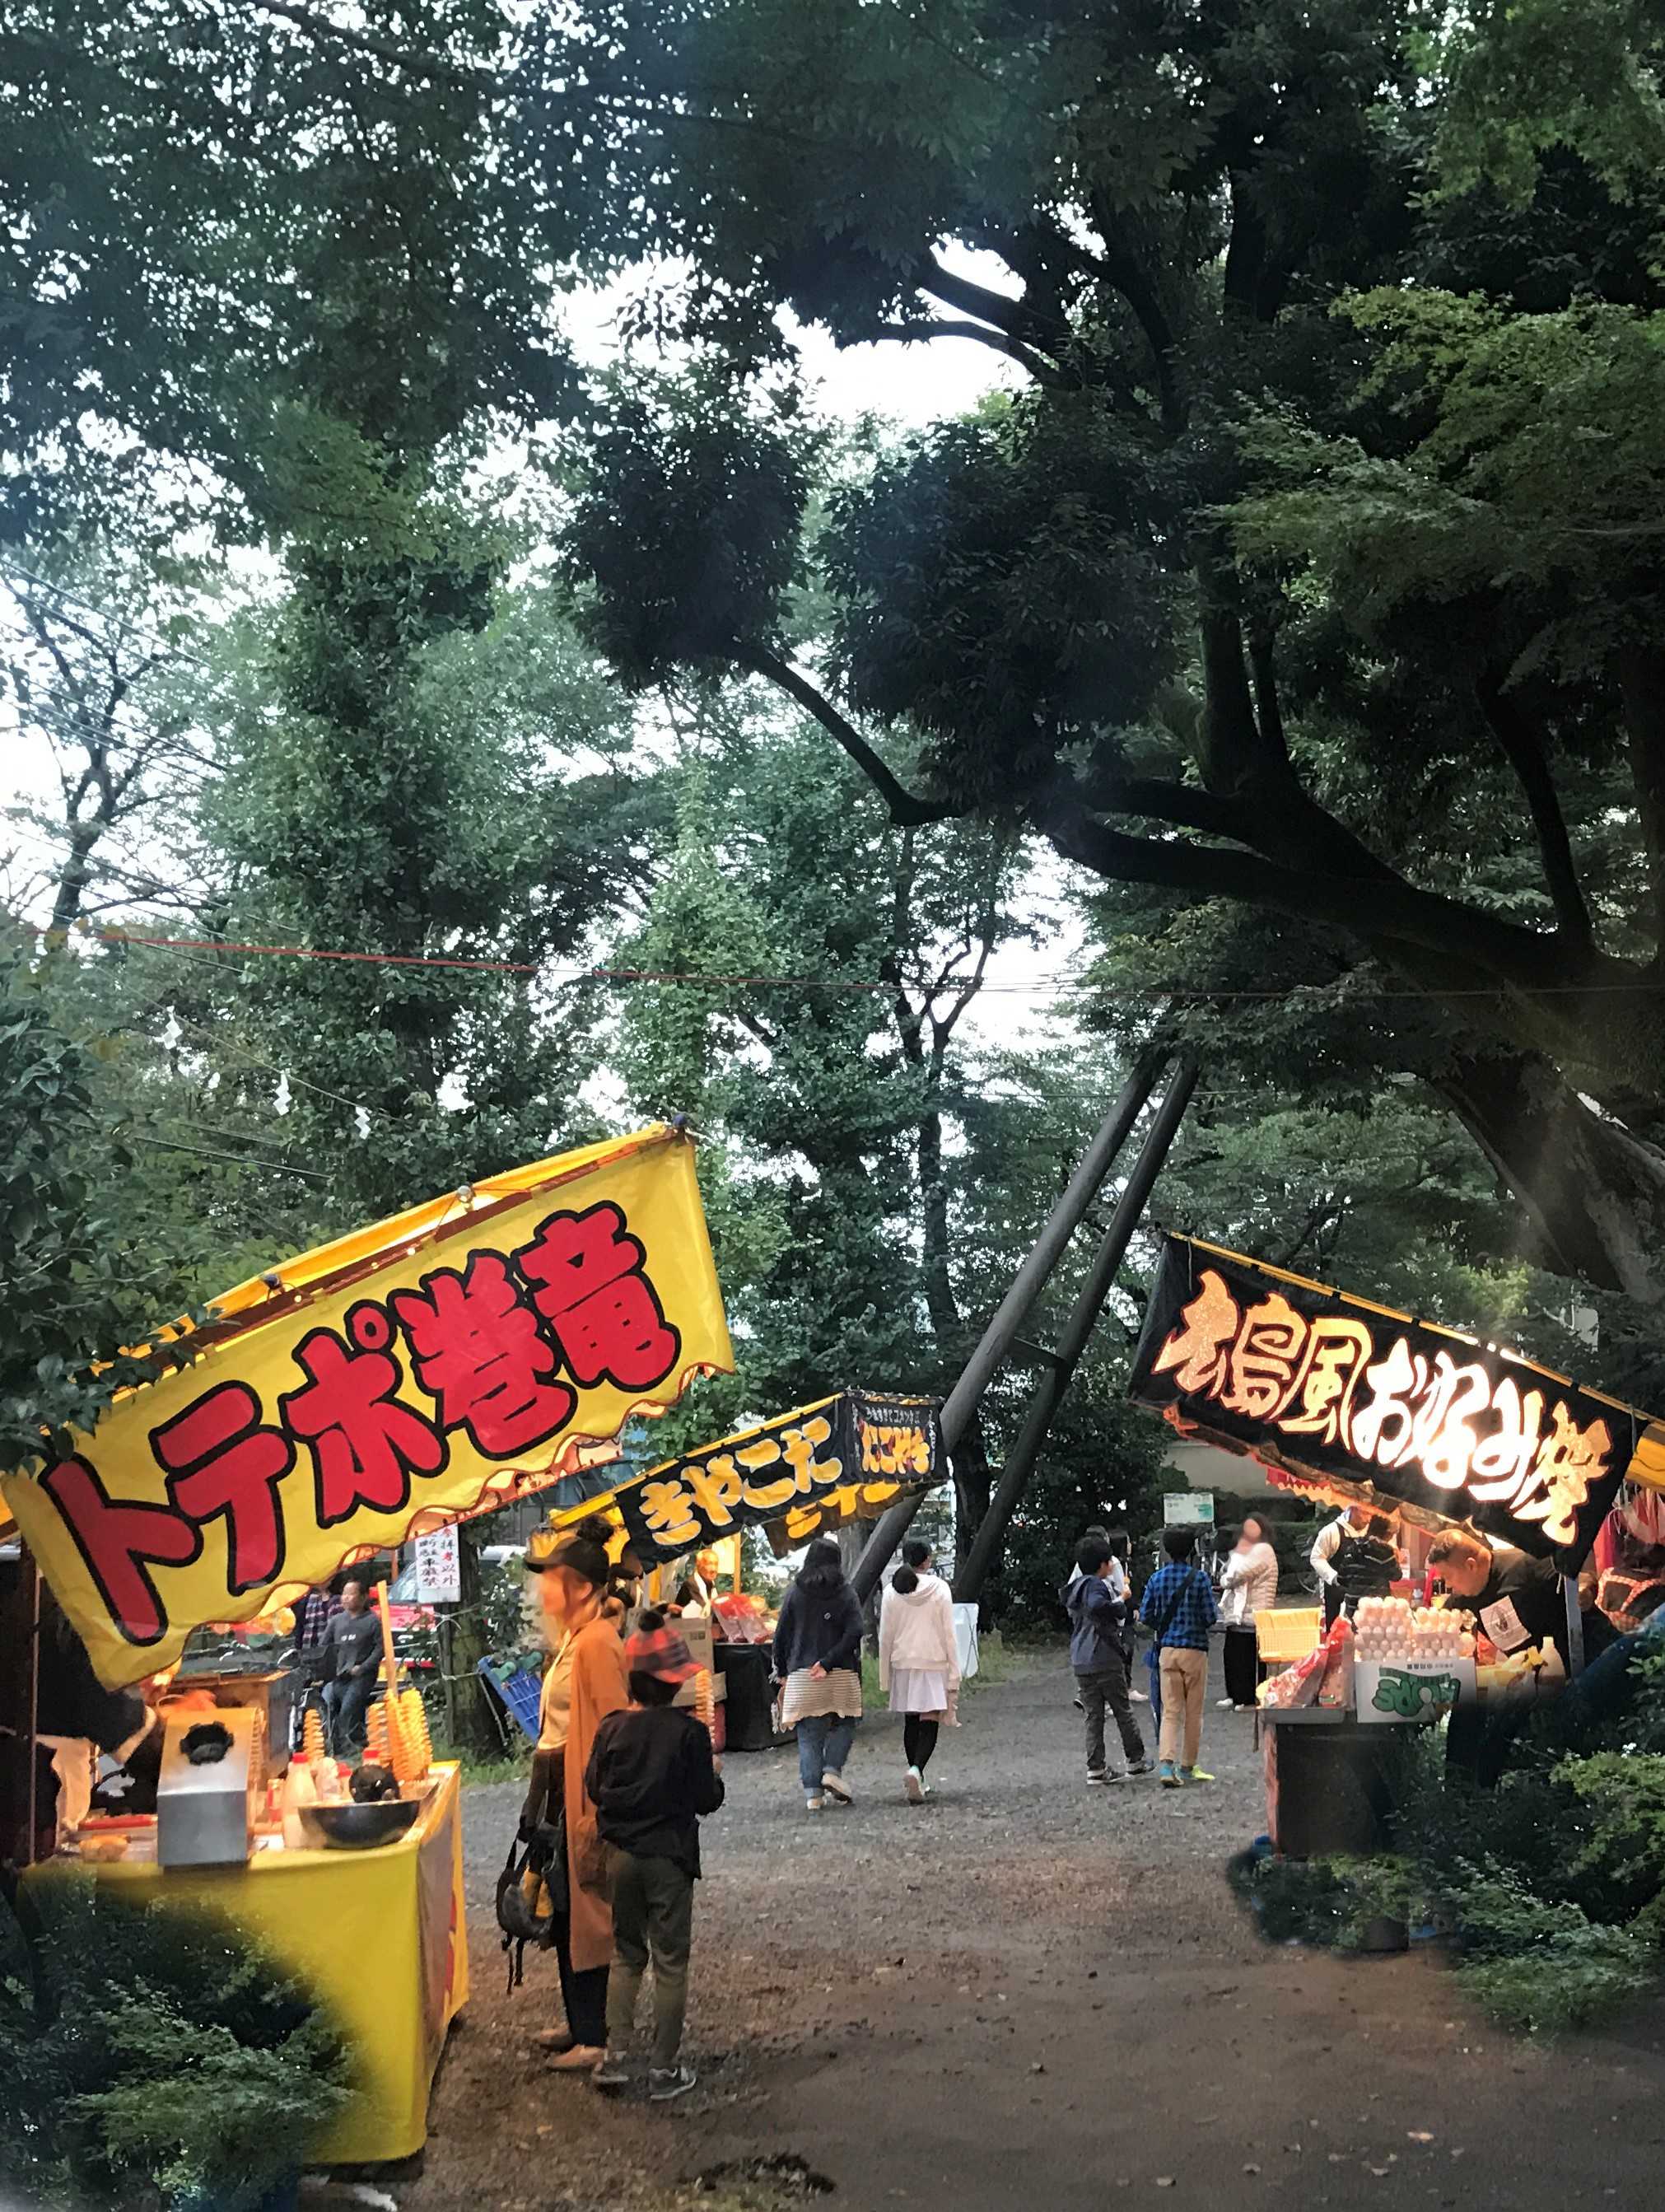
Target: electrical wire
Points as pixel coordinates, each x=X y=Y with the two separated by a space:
x=231 y=1159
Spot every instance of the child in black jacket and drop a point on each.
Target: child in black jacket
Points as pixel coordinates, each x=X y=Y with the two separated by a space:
x=650 y=1777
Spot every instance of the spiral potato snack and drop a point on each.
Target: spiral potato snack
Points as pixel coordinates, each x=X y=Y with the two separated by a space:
x=413 y=1730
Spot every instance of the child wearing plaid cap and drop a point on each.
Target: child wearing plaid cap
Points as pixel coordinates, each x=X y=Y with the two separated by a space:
x=651 y=1775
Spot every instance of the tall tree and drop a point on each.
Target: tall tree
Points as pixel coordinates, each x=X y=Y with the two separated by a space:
x=1089 y=605
x=830 y=1050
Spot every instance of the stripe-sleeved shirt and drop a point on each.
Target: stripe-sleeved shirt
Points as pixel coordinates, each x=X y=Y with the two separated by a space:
x=1194 y=1610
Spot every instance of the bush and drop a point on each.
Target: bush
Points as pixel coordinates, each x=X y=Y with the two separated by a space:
x=1550 y=1887
x=148 y=2049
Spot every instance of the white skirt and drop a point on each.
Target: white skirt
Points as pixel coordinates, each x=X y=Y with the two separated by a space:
x=919 y=1690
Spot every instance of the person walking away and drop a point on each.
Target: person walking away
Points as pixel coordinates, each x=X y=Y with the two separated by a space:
x=350 y=1657
x=1249 y=1588
x=1179 y=1610
x=817 y=1660
x=652 y=1778
x=574 y=1590
x=918 y=1664
x=1097 y=1625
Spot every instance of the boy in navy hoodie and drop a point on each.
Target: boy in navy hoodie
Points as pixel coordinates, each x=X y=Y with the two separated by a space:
x=1098 y=1628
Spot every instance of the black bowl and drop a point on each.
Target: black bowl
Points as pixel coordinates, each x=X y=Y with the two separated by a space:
x=359 y=1827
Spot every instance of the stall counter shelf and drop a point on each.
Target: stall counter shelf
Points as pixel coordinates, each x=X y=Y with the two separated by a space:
x=380 y=1935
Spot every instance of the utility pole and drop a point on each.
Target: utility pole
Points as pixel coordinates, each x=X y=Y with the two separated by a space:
x=1014 y=1308
x=1059 y=1369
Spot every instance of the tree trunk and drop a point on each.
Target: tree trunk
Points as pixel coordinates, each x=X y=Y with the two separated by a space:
x=1595 y=1192
x=477 y=1731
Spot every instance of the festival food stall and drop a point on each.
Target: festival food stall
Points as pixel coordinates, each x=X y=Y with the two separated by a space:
x=417 y=1373
x=1350 y=1402
x=842 y=1458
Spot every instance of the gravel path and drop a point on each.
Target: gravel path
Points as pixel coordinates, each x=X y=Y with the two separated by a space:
x=1028 y=1993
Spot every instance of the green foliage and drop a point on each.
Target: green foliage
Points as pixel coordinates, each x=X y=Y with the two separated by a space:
x=154 y=2048
x=1549 y=1888
x=71 y=1283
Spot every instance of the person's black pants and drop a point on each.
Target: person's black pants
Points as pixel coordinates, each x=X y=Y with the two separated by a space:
x=1243 y=1665
x=584 y=1995
x=346 y=1700
x=918 y=1739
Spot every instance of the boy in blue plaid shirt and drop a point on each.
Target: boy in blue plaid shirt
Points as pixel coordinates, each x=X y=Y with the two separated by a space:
x=1178 y=1608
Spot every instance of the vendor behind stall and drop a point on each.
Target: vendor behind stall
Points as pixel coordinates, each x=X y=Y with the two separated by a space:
x=1517 y=1600
x=351 y=1656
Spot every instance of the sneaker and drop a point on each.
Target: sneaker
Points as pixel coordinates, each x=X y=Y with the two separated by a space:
x=1077 y=1703
x=1095 y=1774
x=614 y=2071
x=1168 y=1775
x=1143 y=1767
x=914 y=1783
x=837 y=1789
x=553 y=2039
x=924 y=1788
x=1195 y=1774
x=1226 y=1705
x=666 y=2083
x=1139 y=1697
x=815 y=1804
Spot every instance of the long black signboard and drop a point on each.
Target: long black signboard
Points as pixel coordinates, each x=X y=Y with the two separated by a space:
x=1312 y=1380
x=811 y=1468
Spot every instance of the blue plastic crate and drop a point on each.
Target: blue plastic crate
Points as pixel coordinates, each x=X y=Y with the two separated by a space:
x=521 y=1691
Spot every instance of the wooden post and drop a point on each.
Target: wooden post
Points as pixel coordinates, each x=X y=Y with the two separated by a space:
x=1014 y=1308
x=388 y=1659
x=1575 y=1626
x=1057 y=1374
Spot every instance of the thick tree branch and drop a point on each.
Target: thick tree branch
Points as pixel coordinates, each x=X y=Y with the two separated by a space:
x=1158 y=799
x=997 y=341
x=1374 y=909
x=1524 y=749
x=904 y=807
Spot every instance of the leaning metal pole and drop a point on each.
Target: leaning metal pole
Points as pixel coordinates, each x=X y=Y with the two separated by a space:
x=1029 y=1281
x=1057 y=1376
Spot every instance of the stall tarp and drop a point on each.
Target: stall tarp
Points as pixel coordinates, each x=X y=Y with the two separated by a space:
x=472 y=1349
x=1323 y=1384
x=840 y=1457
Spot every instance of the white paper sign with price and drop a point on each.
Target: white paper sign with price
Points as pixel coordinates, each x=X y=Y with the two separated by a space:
x=439 y=1568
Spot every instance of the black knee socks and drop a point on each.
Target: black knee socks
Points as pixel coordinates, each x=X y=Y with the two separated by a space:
x=919 y=1739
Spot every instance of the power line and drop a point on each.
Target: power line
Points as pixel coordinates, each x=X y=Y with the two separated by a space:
x=232 y=1159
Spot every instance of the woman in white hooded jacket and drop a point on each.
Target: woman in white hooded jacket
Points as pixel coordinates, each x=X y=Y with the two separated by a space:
x=919 y=1667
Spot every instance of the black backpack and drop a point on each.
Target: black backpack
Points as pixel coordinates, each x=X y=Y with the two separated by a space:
x=531 y=1890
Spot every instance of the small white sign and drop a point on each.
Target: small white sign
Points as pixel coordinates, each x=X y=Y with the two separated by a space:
x=1187 y=1508
x=440 y=1568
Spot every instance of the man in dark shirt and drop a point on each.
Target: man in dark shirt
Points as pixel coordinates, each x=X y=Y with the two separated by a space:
x=1517 y=1600
x=349 y=1655
x=651 y=1775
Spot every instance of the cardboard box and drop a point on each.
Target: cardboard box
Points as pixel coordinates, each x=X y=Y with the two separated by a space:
x=1410 y=1690
x=695 y=1629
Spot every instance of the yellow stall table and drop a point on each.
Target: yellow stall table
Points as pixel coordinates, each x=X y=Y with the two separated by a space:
x=378 y=1936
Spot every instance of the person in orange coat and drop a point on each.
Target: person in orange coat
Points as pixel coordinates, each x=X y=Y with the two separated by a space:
x=574 y=1590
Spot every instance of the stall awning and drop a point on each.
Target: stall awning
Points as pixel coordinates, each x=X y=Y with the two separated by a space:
x=488 y=1343
x=842 y=1458
x=1324 y=1385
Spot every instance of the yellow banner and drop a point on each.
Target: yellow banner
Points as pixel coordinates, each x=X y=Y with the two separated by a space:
x=398 y=1379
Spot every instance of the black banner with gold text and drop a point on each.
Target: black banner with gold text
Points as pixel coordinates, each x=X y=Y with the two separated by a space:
x=1312 y=1380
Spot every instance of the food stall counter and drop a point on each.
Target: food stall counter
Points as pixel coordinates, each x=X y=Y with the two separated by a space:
x=378 y=1935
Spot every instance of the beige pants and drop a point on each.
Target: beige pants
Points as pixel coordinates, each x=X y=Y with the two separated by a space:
x=1184 y=1678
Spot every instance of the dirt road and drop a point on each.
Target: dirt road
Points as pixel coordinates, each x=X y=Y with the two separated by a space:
x=1030 y=1994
